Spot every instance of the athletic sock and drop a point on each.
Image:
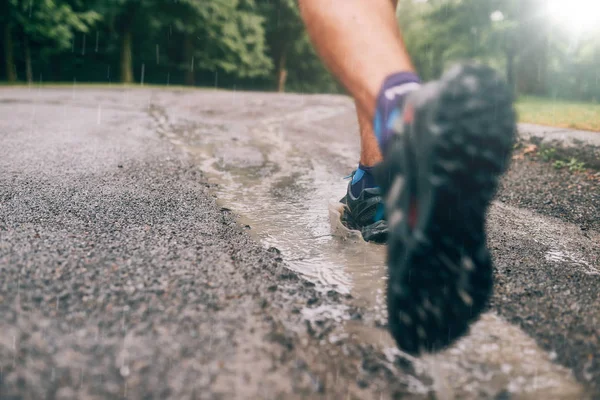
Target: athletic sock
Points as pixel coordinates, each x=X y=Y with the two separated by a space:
x=361 y=180
x=390 y=101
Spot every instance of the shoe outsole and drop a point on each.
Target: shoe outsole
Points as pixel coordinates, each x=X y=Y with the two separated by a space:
x=447 y=162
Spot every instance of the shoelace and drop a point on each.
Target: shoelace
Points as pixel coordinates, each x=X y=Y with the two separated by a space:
x=350 y=176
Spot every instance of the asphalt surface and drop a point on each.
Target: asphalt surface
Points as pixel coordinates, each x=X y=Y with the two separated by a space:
x=151 y=247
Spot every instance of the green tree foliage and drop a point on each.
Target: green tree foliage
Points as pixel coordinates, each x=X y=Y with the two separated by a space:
x=124 y=17
x=439 y=33
x=574 y=65
x=194 y=36
x=220 y=35
x=262 y=44
x=297 y=66
x=284 y=30
x=43 y=26
x=515 y=36
x=533 y=38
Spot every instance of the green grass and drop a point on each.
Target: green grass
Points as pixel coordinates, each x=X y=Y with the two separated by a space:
x=572 y=164
x=559 y=113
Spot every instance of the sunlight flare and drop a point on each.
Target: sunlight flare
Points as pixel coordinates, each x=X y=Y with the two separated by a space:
x=576 y=15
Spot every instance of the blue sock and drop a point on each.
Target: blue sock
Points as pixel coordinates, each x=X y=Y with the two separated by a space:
x=362 y=180
x=391 y=98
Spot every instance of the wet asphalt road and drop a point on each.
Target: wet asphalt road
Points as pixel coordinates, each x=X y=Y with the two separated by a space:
x=122 y=276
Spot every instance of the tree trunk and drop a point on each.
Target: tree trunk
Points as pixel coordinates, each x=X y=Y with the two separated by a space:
x=510 y=68
x=533 y=39
x=510 y=51
x=28 y=67
x=126 y=56
x=188 y=56
x=55 y=68
x=281 y=71
x=9 y=58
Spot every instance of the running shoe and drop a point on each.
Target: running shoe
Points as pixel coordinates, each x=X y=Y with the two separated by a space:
x=365 y=213
x=452 y=141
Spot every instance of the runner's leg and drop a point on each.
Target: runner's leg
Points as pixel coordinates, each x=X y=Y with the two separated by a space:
x=360 y=42
x=369 y=148
x=444 y=146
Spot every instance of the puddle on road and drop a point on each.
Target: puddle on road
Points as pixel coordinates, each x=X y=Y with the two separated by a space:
x=287 y=194
x=288 y=207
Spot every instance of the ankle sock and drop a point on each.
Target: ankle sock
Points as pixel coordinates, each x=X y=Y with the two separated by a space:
x=390 y=101
x=361 y=180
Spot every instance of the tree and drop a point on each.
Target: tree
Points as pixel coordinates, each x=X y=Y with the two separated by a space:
x=48 y=24
x=284 y=30
x=261 y=44
x=306 y=72
x=533 y=29
x=439 y=32
x=218 y=35
x=573 y=65
x=508 y=34
x=7 y=41
x=123 y=17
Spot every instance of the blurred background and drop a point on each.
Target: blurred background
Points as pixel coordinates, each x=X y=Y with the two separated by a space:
x=545 y=48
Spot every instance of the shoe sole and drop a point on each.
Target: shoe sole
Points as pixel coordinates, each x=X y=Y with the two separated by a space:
x=447 y=162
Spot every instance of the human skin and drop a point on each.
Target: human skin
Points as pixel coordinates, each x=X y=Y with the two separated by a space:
x=361 y=44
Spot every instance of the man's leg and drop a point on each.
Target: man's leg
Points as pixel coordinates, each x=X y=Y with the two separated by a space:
x=370 y=155
x=444 y=146
x=359 y=41
x=364 y=208
x=344 y=32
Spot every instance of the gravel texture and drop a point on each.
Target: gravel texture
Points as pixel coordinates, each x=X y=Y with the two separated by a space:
x=121 y=276
x=559 y=305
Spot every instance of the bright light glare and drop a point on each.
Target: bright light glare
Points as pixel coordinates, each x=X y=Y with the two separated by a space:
x=497 y=16
x=576 y=15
